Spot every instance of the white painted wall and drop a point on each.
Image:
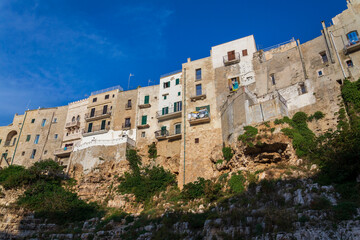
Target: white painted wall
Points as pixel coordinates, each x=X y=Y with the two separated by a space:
x=247 y=75
x=172 y=91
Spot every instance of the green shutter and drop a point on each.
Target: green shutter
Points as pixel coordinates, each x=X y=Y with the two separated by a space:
x=143 y=120
x=103 y=124
x=146 y=100
x=169 y=83
x=177 y=81
x=163 y=111
x=175 y=104
x=179 y=93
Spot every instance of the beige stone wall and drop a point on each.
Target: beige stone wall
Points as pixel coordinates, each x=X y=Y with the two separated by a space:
x=120 y=111
x=146 y=136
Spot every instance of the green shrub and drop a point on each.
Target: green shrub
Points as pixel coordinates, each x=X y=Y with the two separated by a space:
x=134 y=160
x=249 y=135
x=202 y=188
x=220 y=161
x=278 y=121
x=237 y=183
x=344 y=211
x=152 y=151
x=15 y=176
x=227 y=153
x=317 y=115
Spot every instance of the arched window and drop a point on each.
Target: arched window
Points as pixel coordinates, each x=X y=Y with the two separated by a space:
x=73 y=119
x=78 y=118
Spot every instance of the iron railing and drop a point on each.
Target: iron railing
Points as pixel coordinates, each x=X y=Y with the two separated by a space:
x=98 y=113
x=234 y=60
x=73 y=124
x=161 y=133
x=96 y=129
x=107 y=90
x=126 y=125
x=170 y=73
x=128 y=106
x=170 y=111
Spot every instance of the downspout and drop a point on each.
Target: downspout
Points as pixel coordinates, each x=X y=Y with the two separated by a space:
x=337 y=55
x=302 y=59
x=17 y=142
x=325 y=34
x=184 y=123
x=47 y=136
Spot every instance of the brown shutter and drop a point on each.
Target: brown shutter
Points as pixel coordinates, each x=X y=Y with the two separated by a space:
x=231 y=55
x=244 y=52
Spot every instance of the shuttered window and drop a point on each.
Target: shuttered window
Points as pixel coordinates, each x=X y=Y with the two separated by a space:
x=146 y=100
x=144 y=120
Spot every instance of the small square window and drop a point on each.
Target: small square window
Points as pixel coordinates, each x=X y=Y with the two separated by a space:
x=107 y=96
x=113 y=95
x=302 y=88
x=324 y=57
x=45 y=152
x=23 y=154
x=55 y=120
x=33 y=120
x=56 y=136
x=164 y=97
x=28 y=138
x=320 y=73
x=94 y=99
x=166 y=84
x=349 y=63
x=197 y=140
x=179 y=93
x=244 y=52
x=177 y=81
x=143 y=134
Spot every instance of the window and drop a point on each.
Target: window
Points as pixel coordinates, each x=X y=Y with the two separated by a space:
x=163 y=130
x=349 y=63
x=144 y=120
x=166 y=84
x=55 y=120
x=177 y=106
x=78 y=118
x=107 y=96
x=143 y=134
x=108 y=123
x=198 y=90
x=103 y=124
x=320 y=73
x=244 y=52
x=43 y=122
x=234 y=84
x=33 y=154
x=94 y=99
x=28 y=138
x=165 y=96
x=33 y=120
x=0 y=141
x=45 y=152
x=129 y=103
x=231 y=55
x=92 y=112
x=179 y=93
x=105 y=109
x=177 y=128
x=146 y=99
x=324 y=57
x=198 y=74
x=36 y=141
x=127 y=122
x=23 y=154
x=73 y=119
x=197 y=140
x=90 y=127
x=302 y=88
x=353 y=37
x=14 y=141
x=177 y=81
x=203 y=107
x=56 y=136
x=165 y=110
x=272 y=77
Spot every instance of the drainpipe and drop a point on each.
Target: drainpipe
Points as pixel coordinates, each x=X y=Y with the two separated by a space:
x=326 y=37
x=337 y=55
x=47 y=136
x=184 y=122
x=302 y=59
x=17 y=142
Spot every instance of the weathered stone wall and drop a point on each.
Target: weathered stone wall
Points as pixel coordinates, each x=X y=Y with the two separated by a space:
x=121 y=111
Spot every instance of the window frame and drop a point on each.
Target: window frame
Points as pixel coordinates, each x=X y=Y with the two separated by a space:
x=198 y=74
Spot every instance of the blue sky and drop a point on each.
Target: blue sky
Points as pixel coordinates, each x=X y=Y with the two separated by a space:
x=53 y=52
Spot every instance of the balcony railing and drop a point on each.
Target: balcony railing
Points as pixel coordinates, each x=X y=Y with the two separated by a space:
x=96 y=130
x=128 y=106
x=234 y=59
x=161 y=134
x=160 y=115
x=198 y=117
x=196 y=97
x=63 y=152
x=352 y=46
x=175 y=135
x=74 y=124
x=97 y=115
x=126 y=126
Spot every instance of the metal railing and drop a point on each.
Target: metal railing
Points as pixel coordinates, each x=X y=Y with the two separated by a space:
x=98 y=113
x=170 y=111
x=107 y=90
x=199 y=116
x=234 y=60
x=278 y=45
x=203 y=93
x=73 y=124
x=128 y=106
x=170 y=73
x=96 y=129
x=161 y=133
x=351 y=43
x=126 y=125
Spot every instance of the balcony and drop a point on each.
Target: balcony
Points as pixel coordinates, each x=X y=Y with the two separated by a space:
x=175 y=136
x=199 y=117
x=63 y=152
x=97 y=115
x=95 y=130
x=161 y=134
x=145 y=105
x=74 y=124
x=128 y=106
x=198 y=96
x=143 y=126
x=231 y=59
x=352 y=47
x=126 y=126
x=169 y=115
